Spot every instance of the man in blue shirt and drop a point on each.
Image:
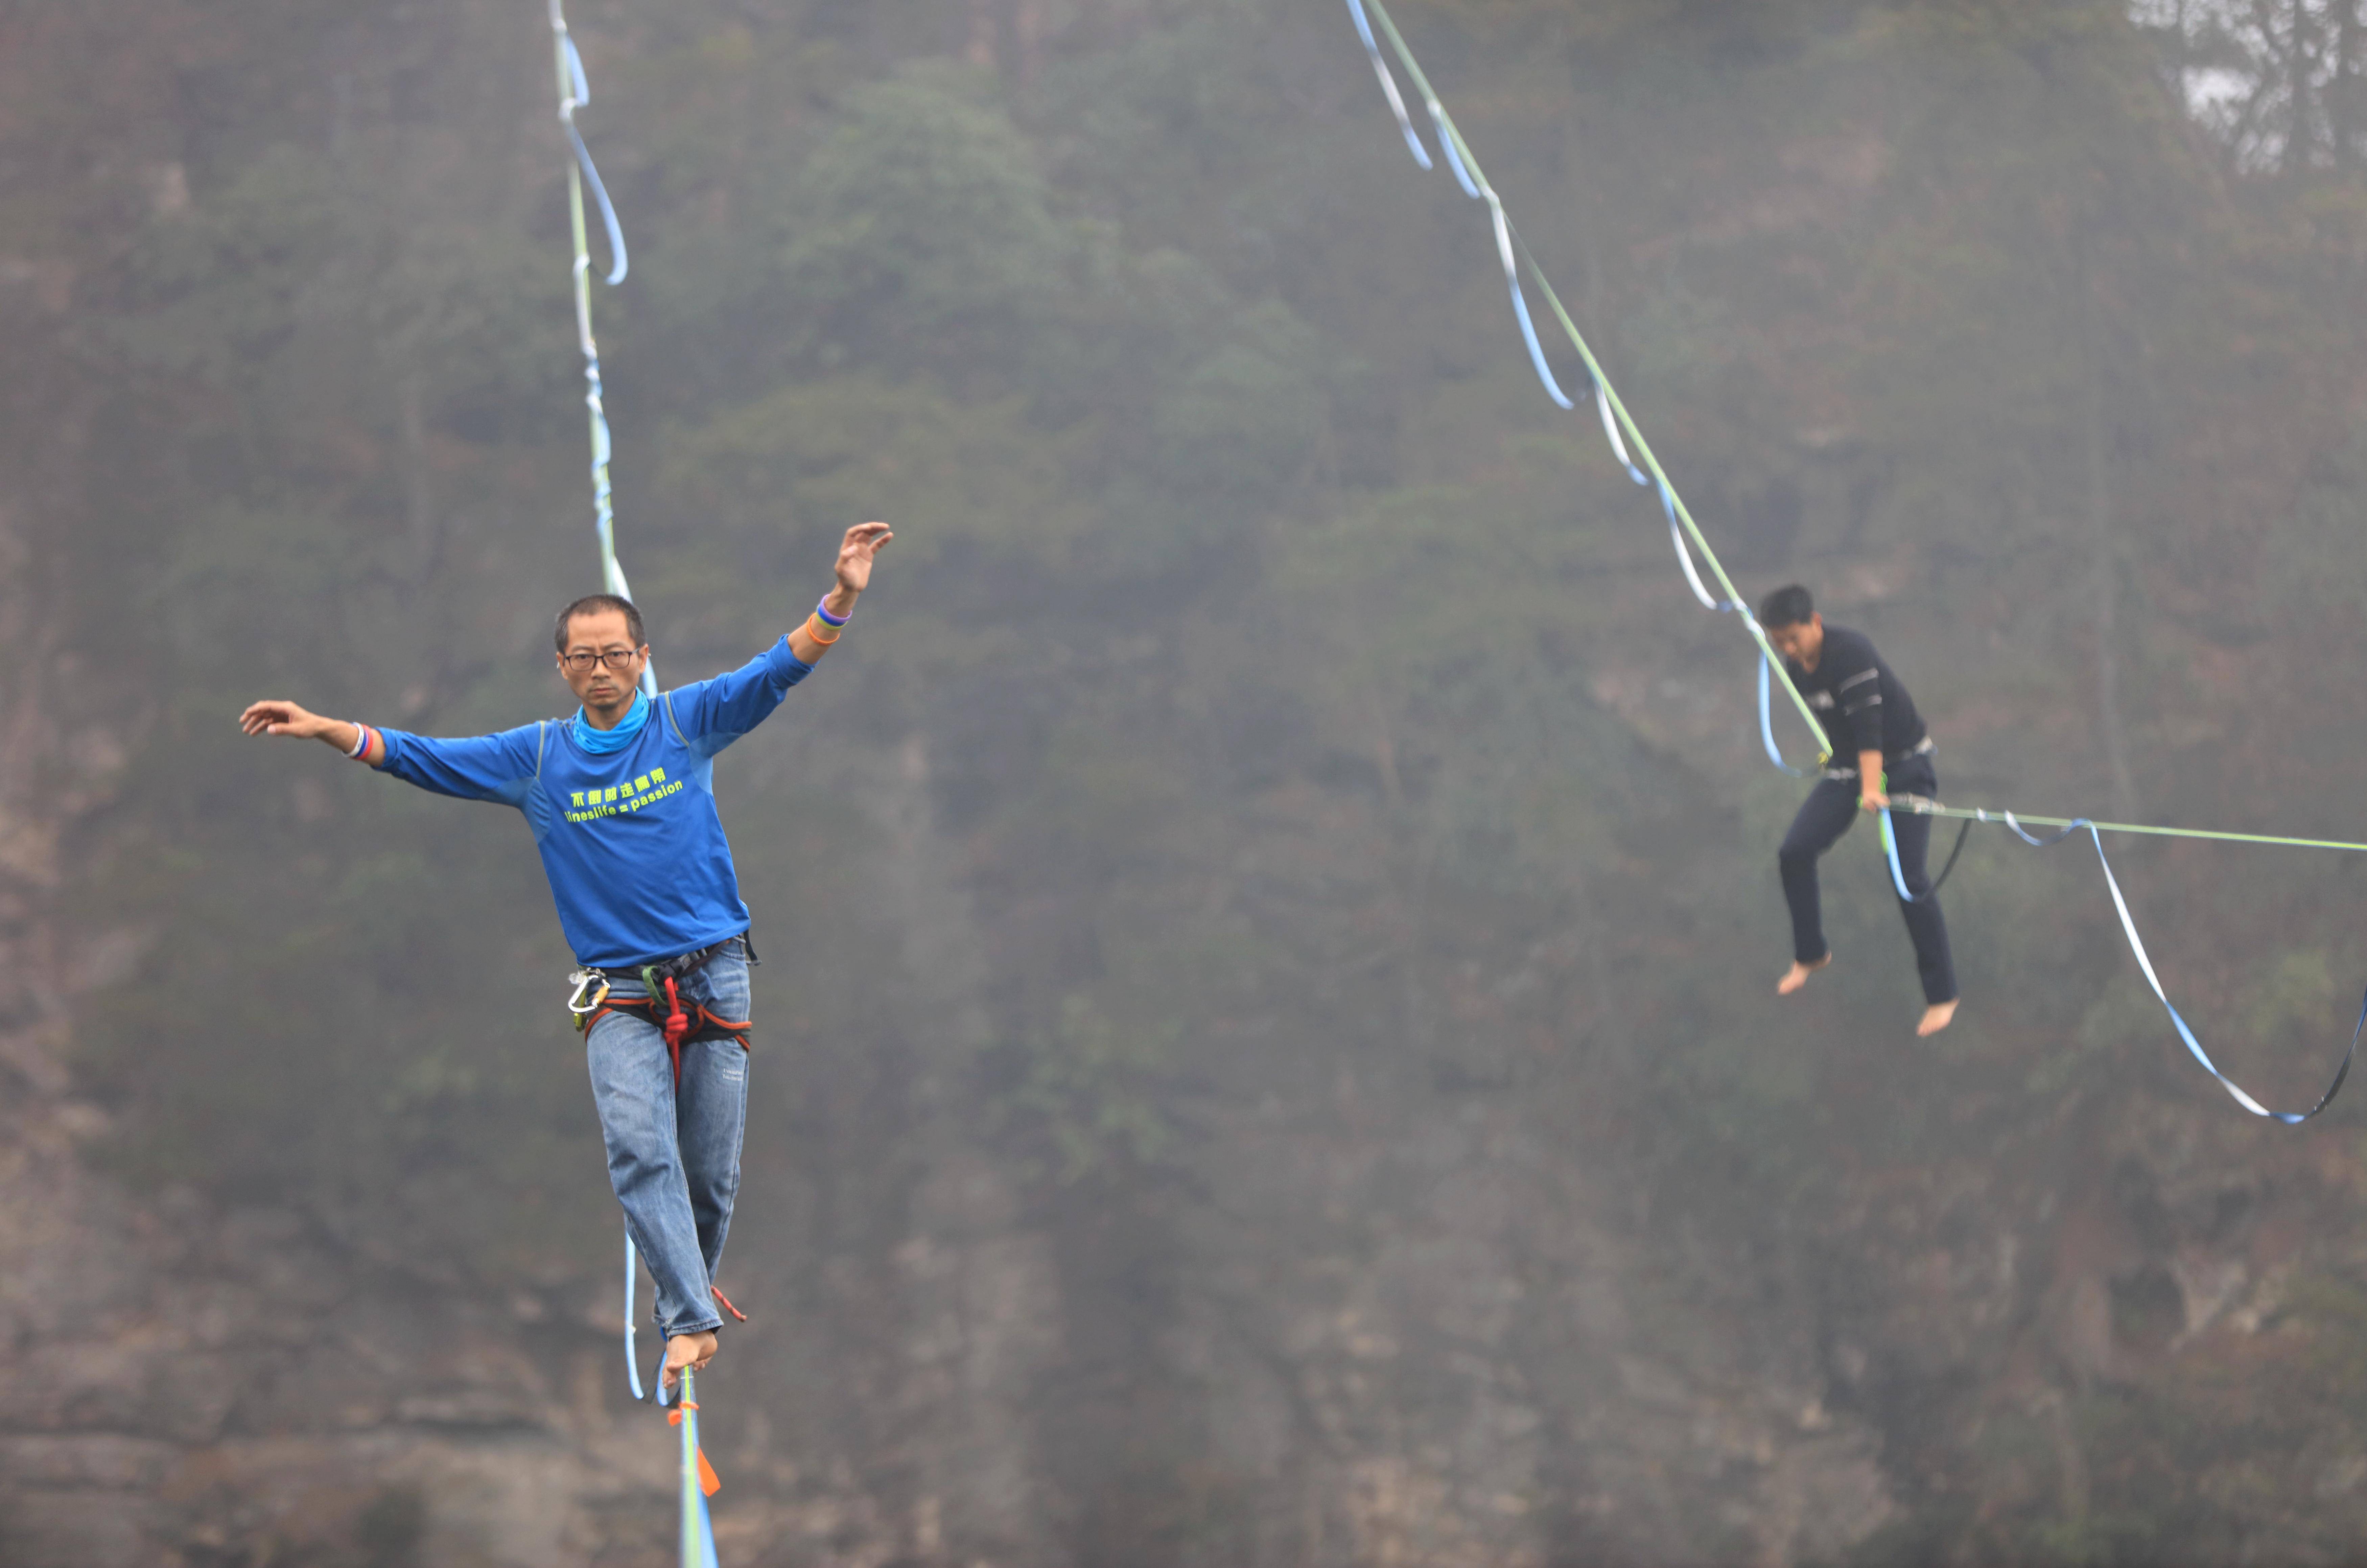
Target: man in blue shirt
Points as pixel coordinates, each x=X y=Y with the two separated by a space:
x=621 y=799
x=1872 y=732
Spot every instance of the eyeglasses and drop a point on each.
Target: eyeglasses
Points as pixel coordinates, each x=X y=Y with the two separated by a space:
x=618 y=659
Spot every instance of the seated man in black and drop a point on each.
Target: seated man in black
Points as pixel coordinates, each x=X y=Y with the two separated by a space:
x=1872 y=728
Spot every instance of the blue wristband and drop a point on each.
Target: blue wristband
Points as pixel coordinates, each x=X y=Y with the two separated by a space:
x=822 y=611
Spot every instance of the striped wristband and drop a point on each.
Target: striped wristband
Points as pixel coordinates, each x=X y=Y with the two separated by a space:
x=822 y=611
x=361 y=742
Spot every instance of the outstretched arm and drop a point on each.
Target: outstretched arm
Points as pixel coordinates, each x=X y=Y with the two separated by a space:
x=862 y=547
x=287 y=719
x=472 y=767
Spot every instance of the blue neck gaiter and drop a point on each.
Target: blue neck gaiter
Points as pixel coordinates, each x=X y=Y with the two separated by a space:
x=600 y=743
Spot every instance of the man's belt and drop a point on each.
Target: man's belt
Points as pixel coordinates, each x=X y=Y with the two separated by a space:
x=1924 y=747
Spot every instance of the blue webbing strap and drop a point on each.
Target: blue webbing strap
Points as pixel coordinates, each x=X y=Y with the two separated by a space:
x=1767 y=726
x=1519 y=303
x=1389 y=85
x=632 y=1361
x=567 y=108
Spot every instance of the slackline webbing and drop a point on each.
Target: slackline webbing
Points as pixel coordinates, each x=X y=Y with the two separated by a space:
x=1513 y=253
x=574 y=92
x=1515 y=256
x=697 y=1479
x=697 y=1528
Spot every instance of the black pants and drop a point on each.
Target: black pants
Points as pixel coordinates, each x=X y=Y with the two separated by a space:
x=1824 y=816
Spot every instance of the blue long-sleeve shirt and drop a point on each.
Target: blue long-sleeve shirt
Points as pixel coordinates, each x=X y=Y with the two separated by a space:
x=632 y=843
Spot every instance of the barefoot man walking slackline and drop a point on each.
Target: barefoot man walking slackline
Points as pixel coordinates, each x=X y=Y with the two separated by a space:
x=621 y=799
x=1870 y=721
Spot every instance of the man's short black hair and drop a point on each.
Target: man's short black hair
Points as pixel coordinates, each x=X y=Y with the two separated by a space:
x=593 y=604
x=1787 y=605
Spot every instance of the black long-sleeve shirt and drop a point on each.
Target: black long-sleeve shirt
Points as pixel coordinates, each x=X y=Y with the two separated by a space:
x=1861 y=704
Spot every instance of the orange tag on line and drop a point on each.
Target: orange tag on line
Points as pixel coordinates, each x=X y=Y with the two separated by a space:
x=709 y=1481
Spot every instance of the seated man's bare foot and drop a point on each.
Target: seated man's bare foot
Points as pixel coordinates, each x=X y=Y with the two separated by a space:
x=1797 y=975
x=1936 y=1017
x=691 y=1350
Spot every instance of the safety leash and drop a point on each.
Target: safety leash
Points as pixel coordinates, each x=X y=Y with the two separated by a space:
x=1898 y=877
x=574 y=92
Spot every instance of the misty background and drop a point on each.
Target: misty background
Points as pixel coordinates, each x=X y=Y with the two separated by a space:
x=1265 y=1044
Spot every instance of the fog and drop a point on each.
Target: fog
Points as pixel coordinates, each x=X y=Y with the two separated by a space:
x=1266 y=1046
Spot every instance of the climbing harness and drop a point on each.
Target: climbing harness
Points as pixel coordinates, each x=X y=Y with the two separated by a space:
x=574 y=92
x=1620 y=429
x=683 y=1023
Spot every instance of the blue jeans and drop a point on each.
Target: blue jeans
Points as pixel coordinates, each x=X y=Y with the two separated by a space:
x=674 y=1152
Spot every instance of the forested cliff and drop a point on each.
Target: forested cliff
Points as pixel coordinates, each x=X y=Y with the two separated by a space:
x=1267 y=1048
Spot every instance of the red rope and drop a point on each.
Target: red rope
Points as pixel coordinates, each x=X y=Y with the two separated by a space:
x=677 y=1024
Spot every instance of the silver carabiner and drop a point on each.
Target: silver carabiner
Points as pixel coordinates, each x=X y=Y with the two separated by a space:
x=585 y=980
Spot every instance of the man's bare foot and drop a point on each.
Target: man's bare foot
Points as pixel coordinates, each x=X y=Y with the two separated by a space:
x=1797 y=975
x=691 y=1350
x=1936 y=1017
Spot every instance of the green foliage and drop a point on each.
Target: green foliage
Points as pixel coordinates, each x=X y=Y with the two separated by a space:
x=779 y=477
x=1091 y=1088
x=924 y=223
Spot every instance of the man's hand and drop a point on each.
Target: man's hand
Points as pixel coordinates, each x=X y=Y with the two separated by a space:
x=1870 y=795
x=863 y=542
x=286 y=719
x=862 y=547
